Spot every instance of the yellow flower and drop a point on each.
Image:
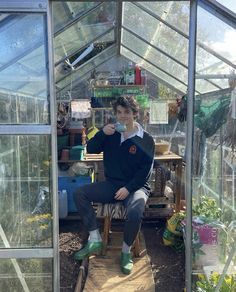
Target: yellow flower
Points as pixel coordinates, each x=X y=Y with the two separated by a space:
x=201 y=276
x=44 y=226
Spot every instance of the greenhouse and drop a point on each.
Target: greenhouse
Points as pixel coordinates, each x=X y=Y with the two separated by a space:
x=72 y=61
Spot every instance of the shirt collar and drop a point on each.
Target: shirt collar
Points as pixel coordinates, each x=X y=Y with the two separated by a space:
x=139 y=132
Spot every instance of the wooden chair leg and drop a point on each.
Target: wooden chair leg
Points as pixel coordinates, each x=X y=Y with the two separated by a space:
x=106 y=229
x=136 y=246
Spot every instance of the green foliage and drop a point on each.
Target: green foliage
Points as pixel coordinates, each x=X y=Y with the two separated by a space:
x=208 y=208
x=209 y=285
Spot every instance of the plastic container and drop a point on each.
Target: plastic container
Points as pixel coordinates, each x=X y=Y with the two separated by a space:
x=77 y=152
x=70 y=184
x=63 y=204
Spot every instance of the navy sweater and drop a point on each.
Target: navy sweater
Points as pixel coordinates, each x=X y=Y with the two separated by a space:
x=128 y=164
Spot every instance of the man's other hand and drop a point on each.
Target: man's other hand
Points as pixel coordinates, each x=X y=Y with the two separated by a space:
x=121 y=194
x=109 y=129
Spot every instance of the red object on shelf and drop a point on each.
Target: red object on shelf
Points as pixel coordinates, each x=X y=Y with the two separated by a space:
x=137 y=75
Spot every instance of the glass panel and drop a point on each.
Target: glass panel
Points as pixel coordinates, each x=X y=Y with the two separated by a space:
x=152 y=55
x=63 y=69
x=229 y=4
x=84 y=31
x=68 y=11
x=25 y=191
x=175 y=13
x=216 y=34
x=214 y=162
x=155 y=32
x=19 y=33
x=21 y=109
x=23 y=75
x=204 y=86
x=209 y=64
x=151 y=68
x=79 y=74
x=26 y=275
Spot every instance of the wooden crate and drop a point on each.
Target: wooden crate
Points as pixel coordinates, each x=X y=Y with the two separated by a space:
x=159 y=207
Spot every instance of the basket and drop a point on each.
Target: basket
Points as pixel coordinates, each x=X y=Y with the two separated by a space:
x=161 y=148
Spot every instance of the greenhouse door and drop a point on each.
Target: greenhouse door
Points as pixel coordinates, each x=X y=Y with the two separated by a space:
x=28 y=188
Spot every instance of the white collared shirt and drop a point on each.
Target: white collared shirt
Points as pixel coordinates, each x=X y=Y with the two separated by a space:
x=139 y=132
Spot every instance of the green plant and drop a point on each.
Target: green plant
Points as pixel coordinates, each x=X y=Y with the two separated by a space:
x=208 y=208
x=209 y=285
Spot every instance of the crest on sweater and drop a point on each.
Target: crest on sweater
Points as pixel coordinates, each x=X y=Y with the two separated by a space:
x=132 y=149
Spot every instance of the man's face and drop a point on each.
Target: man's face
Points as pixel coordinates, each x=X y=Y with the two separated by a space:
x=125 y=115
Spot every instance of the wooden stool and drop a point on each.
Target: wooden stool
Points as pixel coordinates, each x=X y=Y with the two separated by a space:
x=114 y=211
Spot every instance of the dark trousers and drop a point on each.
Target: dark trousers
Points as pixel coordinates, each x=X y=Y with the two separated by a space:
x=104 y=192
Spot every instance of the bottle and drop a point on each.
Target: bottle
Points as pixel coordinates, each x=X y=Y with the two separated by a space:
x=137 y=75
x=130 y=74
x=63 y=204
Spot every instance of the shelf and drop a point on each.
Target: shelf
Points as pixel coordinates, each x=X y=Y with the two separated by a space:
x=119 y=86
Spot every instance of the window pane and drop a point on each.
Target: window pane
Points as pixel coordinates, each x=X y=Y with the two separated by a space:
x=218 y=36
x=25 y=191
x=175 y=13
x=20 y=274
x=155 y=32
x=84 y=31
x=230 y=4
x=154 y=56
x=160 y=74
x=22 y=109
x=23 y=69
x=79 y=74
x=65 y=12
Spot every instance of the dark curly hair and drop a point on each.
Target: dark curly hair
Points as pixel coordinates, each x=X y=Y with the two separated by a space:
x=126 y=102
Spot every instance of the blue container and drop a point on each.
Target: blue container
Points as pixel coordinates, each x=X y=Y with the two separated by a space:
x=70 y=184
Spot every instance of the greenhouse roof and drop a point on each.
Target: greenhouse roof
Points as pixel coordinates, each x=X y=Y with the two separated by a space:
x=152 y=34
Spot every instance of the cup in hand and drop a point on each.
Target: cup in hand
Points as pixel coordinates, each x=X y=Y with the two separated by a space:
x=120 y=127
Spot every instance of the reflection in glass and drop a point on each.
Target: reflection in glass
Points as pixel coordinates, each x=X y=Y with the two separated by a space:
x=25 y=191
x=26 y=275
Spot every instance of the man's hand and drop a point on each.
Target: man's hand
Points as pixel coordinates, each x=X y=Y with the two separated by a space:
x=121 y=194
x=109 y=129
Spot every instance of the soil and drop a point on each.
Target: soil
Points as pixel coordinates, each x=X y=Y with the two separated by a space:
x=167 y=264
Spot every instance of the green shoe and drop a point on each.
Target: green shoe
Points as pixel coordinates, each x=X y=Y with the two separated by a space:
x=126 y=263
x=89 y=249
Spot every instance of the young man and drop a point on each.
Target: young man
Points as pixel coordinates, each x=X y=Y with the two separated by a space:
x=128 y=153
